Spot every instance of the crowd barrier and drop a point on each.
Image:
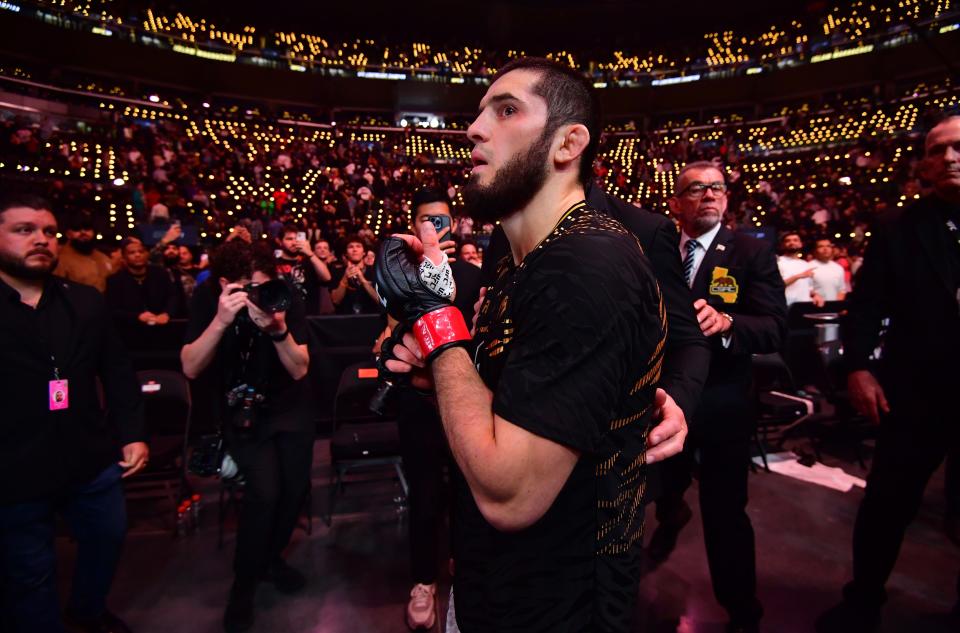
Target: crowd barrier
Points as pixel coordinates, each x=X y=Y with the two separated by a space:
x=335 y=343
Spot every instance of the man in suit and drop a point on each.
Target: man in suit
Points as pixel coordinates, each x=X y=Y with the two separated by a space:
x=739 y=299
x=911 y=275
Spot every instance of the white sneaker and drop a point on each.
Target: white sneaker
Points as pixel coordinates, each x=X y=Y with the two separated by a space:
x=421 y=610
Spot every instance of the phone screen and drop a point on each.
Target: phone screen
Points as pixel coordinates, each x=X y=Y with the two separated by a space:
x=301 y=236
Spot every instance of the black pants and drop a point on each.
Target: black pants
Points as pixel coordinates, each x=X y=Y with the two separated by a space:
x=915 y=437
x=724 y=465
x=277 y=473
x=423 y=447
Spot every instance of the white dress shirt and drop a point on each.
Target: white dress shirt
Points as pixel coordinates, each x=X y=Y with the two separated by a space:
x=704 y=242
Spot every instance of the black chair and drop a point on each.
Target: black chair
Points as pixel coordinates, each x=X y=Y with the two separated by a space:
x=167 y=408
x=361 y=440
x=848 y=426
x=780 y=406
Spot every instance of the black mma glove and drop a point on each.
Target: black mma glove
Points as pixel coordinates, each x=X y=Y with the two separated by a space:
x=418 y=295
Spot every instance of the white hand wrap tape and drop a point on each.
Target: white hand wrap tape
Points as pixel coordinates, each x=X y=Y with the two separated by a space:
x=438 y=278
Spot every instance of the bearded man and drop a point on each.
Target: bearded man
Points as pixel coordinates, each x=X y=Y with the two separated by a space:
x=59 y=454
x=547 y=408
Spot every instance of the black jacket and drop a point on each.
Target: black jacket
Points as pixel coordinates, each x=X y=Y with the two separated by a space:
x=739 y=276
x=44 y=452
x=688 y=353
x=128 y=298
x=909 y=275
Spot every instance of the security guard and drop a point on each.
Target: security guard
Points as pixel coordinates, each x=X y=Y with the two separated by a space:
x=739 y=298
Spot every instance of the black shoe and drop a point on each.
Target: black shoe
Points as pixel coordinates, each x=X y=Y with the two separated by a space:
x=106 y=623
x=848 y=617
x=664 y=538
x=238 y=616
x=285 y=578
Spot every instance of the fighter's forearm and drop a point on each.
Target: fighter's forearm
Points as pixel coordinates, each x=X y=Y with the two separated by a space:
x=466 y=408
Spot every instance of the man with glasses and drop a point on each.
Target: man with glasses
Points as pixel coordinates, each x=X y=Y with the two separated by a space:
x=739 y=299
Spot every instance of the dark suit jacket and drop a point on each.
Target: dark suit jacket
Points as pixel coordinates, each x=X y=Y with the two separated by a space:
x=906 y=277
x=750 y=290
x=688 y=353
x=128 y=299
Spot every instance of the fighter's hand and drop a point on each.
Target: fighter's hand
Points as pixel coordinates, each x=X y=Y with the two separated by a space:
x=711 y=322
x=403 y=356
x=476 y=311
x=135 y=458
x=866 y=395
x=230 y=303
x=667 y=437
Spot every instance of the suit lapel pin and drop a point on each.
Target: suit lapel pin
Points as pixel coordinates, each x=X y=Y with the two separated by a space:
x=721 y=247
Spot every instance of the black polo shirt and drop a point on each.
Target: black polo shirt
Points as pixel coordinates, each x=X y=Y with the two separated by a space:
x=571 y=344
x=44 y=452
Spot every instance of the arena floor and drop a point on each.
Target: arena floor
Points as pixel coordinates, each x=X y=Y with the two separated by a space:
x=358 y=570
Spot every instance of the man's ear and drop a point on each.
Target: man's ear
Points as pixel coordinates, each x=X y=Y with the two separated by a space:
x=573 y=144
x=673 y=203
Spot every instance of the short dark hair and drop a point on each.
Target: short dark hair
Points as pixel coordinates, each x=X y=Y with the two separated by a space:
x=289 y=227
x=570 y=98
x=426 y=195
x=29 y=201
x=353 y=238
x=787 y=234
x=236 y=259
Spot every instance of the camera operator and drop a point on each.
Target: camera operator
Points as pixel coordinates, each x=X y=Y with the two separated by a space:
x=258 y=348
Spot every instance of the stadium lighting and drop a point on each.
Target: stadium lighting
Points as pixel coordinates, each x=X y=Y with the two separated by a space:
x=119 y=182
x=205 y=104
x=403 y=123
x=154 y=99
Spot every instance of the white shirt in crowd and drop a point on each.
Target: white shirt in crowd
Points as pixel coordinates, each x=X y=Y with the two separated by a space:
x=829 y=279
x=799 y=291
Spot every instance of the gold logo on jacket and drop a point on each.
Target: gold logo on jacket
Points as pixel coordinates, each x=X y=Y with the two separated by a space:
x=723 y=285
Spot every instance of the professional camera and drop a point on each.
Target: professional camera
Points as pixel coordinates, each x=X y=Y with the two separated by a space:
x=270 y=296
x=244 y=400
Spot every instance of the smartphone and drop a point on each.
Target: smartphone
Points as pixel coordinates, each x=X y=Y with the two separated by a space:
x=440 y=222
x=204 y=259
x=301 y=236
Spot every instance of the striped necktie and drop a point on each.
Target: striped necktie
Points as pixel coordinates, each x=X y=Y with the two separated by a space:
x=691 y=247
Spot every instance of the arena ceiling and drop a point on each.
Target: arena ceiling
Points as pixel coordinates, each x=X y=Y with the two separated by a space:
x=531 y=25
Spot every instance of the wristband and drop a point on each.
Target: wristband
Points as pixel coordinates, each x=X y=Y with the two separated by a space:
x=440 y=329
x=279 y=338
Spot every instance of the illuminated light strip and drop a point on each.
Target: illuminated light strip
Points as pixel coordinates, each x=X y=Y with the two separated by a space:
x=381 y=75
x=298 y=68
x=675 y=80
x=849 y=52
x=943 y=29
x=99 y=30
x=754 y=71
x=199 y=52
x=9 y=6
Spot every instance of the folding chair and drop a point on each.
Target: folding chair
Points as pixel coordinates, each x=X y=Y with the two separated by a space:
x=361 y=441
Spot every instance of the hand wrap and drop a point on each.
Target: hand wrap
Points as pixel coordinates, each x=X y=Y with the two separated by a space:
x=415 y=301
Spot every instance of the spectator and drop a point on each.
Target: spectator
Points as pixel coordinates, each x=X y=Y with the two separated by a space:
x=829 y=277
x=797 y=272
x=468 y=253
x=353 y=292
x=80 y=261
x=141 y=291
x=300 y=266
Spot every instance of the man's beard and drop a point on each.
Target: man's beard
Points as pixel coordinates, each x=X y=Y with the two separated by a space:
x=513 y=186
x=705 y=223
x=17 y=267
x=84 y=247
x=792 y=252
